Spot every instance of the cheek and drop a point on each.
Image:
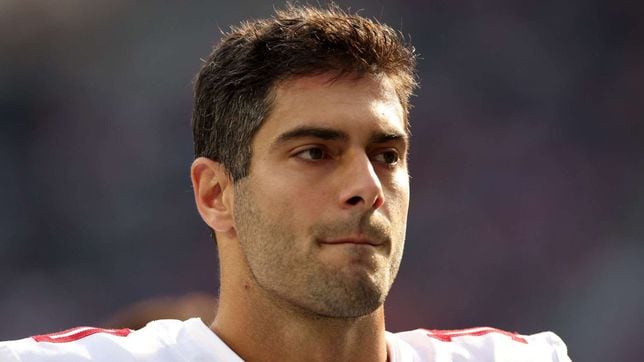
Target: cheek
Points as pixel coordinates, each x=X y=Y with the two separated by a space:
x=399 y=193
x=303 y=192
x=293 y=203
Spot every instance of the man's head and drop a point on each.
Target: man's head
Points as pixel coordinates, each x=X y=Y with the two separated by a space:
x=234 y=89
x=301 y=122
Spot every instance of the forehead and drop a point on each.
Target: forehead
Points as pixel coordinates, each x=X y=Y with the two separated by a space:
x=375 y=87
x=345 y=102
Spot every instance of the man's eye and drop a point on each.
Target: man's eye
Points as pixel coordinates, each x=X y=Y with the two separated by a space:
x=314 y=153
x=388 y=157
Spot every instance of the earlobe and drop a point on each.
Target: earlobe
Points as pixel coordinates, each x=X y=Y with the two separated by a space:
x=212 y=188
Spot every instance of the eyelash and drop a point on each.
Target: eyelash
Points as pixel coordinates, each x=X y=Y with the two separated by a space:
x=326 y=155
x=394 y=153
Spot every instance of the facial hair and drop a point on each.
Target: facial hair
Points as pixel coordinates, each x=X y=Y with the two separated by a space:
x=288 y=267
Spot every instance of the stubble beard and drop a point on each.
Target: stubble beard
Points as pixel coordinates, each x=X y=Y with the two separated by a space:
x=296 y=278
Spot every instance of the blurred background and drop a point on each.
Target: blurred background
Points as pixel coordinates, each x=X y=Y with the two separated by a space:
x=527 y=161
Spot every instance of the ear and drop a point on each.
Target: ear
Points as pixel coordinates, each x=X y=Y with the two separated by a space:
x=213 y=193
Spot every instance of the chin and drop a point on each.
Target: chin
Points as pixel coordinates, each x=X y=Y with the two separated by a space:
x=351 y=300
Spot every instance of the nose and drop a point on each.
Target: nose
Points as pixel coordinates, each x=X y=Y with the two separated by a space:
x=361 y=185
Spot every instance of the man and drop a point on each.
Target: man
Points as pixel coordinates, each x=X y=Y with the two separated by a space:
x=301 y=141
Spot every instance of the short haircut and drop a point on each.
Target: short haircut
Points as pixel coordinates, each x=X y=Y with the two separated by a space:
x=234 y=89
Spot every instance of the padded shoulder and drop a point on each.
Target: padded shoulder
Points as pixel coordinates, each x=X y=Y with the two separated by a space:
x=483 y=344
x=90 y=343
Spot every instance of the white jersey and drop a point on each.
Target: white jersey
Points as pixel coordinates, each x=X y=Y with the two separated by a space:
x=192 y=340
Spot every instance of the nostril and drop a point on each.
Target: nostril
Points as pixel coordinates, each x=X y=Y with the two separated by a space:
x=354 y=200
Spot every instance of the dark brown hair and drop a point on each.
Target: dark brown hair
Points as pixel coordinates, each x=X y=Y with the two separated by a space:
x=233 y=89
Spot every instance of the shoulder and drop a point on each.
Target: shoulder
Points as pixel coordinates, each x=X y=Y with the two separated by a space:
x=90 y=343
x=480 y=343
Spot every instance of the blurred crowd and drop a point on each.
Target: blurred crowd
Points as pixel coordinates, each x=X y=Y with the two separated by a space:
x=527 y=164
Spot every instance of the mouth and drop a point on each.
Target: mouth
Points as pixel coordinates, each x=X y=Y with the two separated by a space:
x=350 y=241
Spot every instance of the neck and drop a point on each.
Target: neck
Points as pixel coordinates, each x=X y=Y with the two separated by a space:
x=260 y=328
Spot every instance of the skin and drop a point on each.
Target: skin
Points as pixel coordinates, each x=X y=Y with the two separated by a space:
x=311 y=240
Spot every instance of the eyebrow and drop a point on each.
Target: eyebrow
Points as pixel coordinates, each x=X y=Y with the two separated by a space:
x=330 y=134
x=388 y=137
x=327 y=134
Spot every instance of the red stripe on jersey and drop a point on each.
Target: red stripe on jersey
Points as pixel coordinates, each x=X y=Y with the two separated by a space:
x=77 y=333
x=447 y=335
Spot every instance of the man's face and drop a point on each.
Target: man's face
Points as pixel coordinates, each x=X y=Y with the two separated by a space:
x=321 y=217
